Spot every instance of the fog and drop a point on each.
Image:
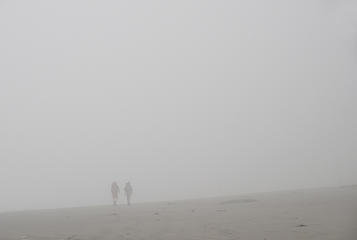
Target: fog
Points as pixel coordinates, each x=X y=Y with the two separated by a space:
x=186 y=99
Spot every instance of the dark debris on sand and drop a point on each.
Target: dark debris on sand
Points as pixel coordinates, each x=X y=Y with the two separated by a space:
x=301 y=225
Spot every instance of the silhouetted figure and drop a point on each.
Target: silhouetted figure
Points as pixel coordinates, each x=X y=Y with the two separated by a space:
x=115 y=192
x=128 y=192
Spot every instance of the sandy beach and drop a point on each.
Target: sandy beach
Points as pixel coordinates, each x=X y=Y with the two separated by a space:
x=328 y=213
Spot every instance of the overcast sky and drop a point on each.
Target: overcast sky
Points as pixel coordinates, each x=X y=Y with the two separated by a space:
x=186 y=98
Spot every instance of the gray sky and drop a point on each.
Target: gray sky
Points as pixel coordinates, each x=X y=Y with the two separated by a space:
x=184 y=98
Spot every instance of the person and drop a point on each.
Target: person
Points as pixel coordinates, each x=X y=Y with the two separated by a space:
x=128 y=192
x=115 y=192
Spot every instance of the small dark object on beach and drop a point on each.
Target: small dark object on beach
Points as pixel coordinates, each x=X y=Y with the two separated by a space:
x=301 y=225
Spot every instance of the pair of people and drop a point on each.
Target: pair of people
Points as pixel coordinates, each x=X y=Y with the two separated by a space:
x=128 y=192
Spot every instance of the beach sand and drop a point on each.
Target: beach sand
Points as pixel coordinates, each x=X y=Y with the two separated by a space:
x=328 y=213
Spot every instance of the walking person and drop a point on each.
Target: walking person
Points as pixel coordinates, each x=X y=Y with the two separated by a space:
x=128 y=191
x=115 y=192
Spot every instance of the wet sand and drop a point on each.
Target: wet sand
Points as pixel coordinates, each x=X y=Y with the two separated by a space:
x=329 y=213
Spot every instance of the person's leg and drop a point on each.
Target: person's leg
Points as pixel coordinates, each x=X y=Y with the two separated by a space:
x=115 y=199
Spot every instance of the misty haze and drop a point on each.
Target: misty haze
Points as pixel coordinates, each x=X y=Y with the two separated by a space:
x=177 y=120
